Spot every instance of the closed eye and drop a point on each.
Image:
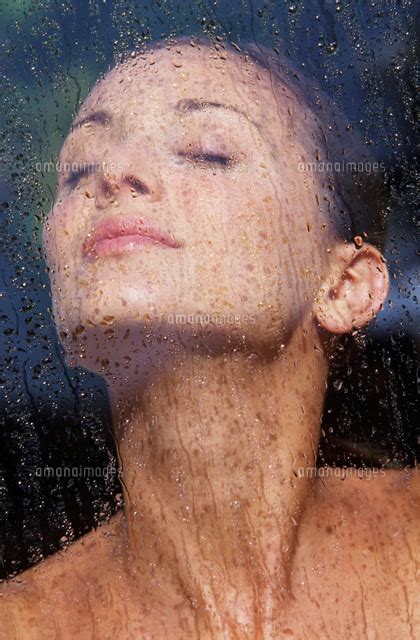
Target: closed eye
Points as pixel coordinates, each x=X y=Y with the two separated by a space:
x=220 y=159
x=216 y=158
x=75 y=176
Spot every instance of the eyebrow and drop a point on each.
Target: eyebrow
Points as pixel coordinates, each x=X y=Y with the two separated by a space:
x=99 y=117
x=188 y=105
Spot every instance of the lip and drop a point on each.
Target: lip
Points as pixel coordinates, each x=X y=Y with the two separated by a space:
x=116 y=236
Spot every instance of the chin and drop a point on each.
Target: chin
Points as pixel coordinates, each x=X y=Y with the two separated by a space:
x=119 y=338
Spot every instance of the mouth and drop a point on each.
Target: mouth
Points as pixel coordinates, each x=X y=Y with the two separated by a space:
x=116 y=236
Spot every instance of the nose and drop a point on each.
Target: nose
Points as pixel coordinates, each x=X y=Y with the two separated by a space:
x=126 y=177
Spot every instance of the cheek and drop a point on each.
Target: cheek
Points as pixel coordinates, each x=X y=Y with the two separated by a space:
x=273 y=242
x=225 y=205
x=254 y=221
x=63 y=231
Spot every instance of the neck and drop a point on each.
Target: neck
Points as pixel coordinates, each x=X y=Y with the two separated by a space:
x=210 y=449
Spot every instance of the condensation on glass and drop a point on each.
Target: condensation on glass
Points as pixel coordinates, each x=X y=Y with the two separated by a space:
x=208 y=391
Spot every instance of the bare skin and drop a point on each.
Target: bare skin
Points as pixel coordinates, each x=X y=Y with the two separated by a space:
x=354 y=575
x=225 y=533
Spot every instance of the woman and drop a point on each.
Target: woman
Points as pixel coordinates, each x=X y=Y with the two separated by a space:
x=204 y=274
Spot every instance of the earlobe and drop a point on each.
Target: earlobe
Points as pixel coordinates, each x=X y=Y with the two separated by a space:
x=355 y=289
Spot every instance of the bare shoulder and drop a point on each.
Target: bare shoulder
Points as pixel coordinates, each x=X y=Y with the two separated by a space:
x=388 y=493
x=384 y=503
x=374 y=520
x=29 y=601
x=359 y=543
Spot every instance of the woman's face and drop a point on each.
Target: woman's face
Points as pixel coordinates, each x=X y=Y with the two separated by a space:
x=180 y=201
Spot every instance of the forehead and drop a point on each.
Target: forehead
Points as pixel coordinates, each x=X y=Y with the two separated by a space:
x=157 y=80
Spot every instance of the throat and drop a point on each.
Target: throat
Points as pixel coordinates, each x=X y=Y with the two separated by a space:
x=210 y=454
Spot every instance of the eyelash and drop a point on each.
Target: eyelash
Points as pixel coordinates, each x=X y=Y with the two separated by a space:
x=210 y=158
x=74 y=177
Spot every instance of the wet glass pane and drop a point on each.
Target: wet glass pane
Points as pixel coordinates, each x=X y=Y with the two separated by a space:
x=208 y=320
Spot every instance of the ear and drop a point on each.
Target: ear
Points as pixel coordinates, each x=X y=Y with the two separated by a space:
x=354 y=291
